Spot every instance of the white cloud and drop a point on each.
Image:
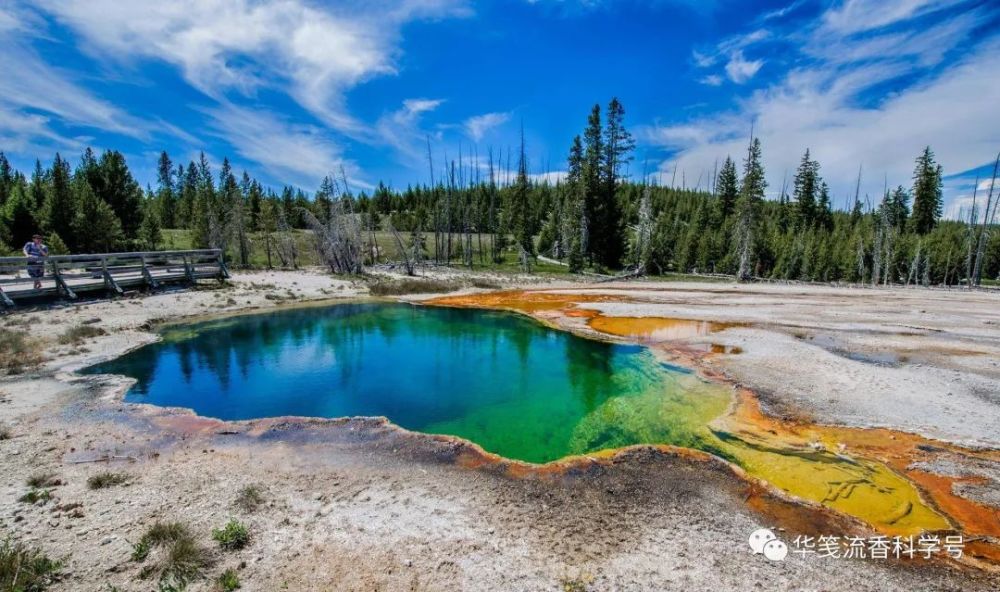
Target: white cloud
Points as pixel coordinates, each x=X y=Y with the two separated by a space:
x=34 y=94
x=741 y=70
x=478 y=125
x=703 y=60
x=831 y=104
x=551 y=177
x=855 y=16
x=782 y=12
x=301 y=154
x=220 y=46
x=737 y=67
x=401 y=130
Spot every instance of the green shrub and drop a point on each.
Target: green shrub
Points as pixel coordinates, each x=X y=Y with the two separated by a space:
x=140 y=550
x=36 y=495
x=25 y=569
x=232 y=536
x=228 y=581
x=107 y=479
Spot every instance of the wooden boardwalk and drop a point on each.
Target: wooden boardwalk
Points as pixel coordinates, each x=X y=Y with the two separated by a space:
x=67 y=276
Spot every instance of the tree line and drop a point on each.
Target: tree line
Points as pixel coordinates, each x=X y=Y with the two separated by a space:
x=484 y=211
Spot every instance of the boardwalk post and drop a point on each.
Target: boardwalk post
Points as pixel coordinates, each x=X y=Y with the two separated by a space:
x=188 y=270
x=223 y=270
x=148 y=276
x=61 y=287
x=109 y=282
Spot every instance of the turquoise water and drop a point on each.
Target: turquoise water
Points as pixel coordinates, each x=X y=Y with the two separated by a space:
x=511 y=385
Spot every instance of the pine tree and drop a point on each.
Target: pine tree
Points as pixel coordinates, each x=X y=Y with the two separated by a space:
x=38 y=189
x=618 y=147
x=227 y=203
x=593 y=141
x=897 y=208
x=59 y=202
x=120 y=191
x=574 y=218
x=728 y=188
x=203 y=204
x=748 y=208
x=824 y=212
x=255 y=203
x=19 y=216
x=187 y=188
x=926 y=193
x=520 y=205
x=97 y=228
x=324 y=198
x=167 y=193
x=149 y=232
x=6 y=180
x=806 y=189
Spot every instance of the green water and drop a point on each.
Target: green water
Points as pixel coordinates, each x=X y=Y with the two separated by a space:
x=503 y=381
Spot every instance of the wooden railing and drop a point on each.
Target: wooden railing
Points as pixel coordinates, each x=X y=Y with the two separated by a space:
x=66 y=276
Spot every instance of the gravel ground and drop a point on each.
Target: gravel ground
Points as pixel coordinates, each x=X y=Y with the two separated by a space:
x=359 y=505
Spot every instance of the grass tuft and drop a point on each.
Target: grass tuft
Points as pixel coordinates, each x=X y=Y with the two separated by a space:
x=107 y=479
x=411 y=286
x=234 y=535
x=249 y=499
x=228 y=581
x=80 y=333
x=25 y=569
x=182 y=559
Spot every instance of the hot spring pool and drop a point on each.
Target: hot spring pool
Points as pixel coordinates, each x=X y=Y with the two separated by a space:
x=503 y=381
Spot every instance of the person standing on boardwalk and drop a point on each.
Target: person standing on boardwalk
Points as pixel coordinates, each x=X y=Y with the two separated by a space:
x=36 y=252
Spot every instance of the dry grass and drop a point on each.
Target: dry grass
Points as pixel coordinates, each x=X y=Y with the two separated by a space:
x=249 y=499
x=18 y=352
x=80 y=333
x=485 y=283
x=411 y=286
x=40 y=480
x=107 y=479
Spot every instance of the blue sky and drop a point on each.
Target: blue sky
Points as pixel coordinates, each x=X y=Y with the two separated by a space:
x=295 y=89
